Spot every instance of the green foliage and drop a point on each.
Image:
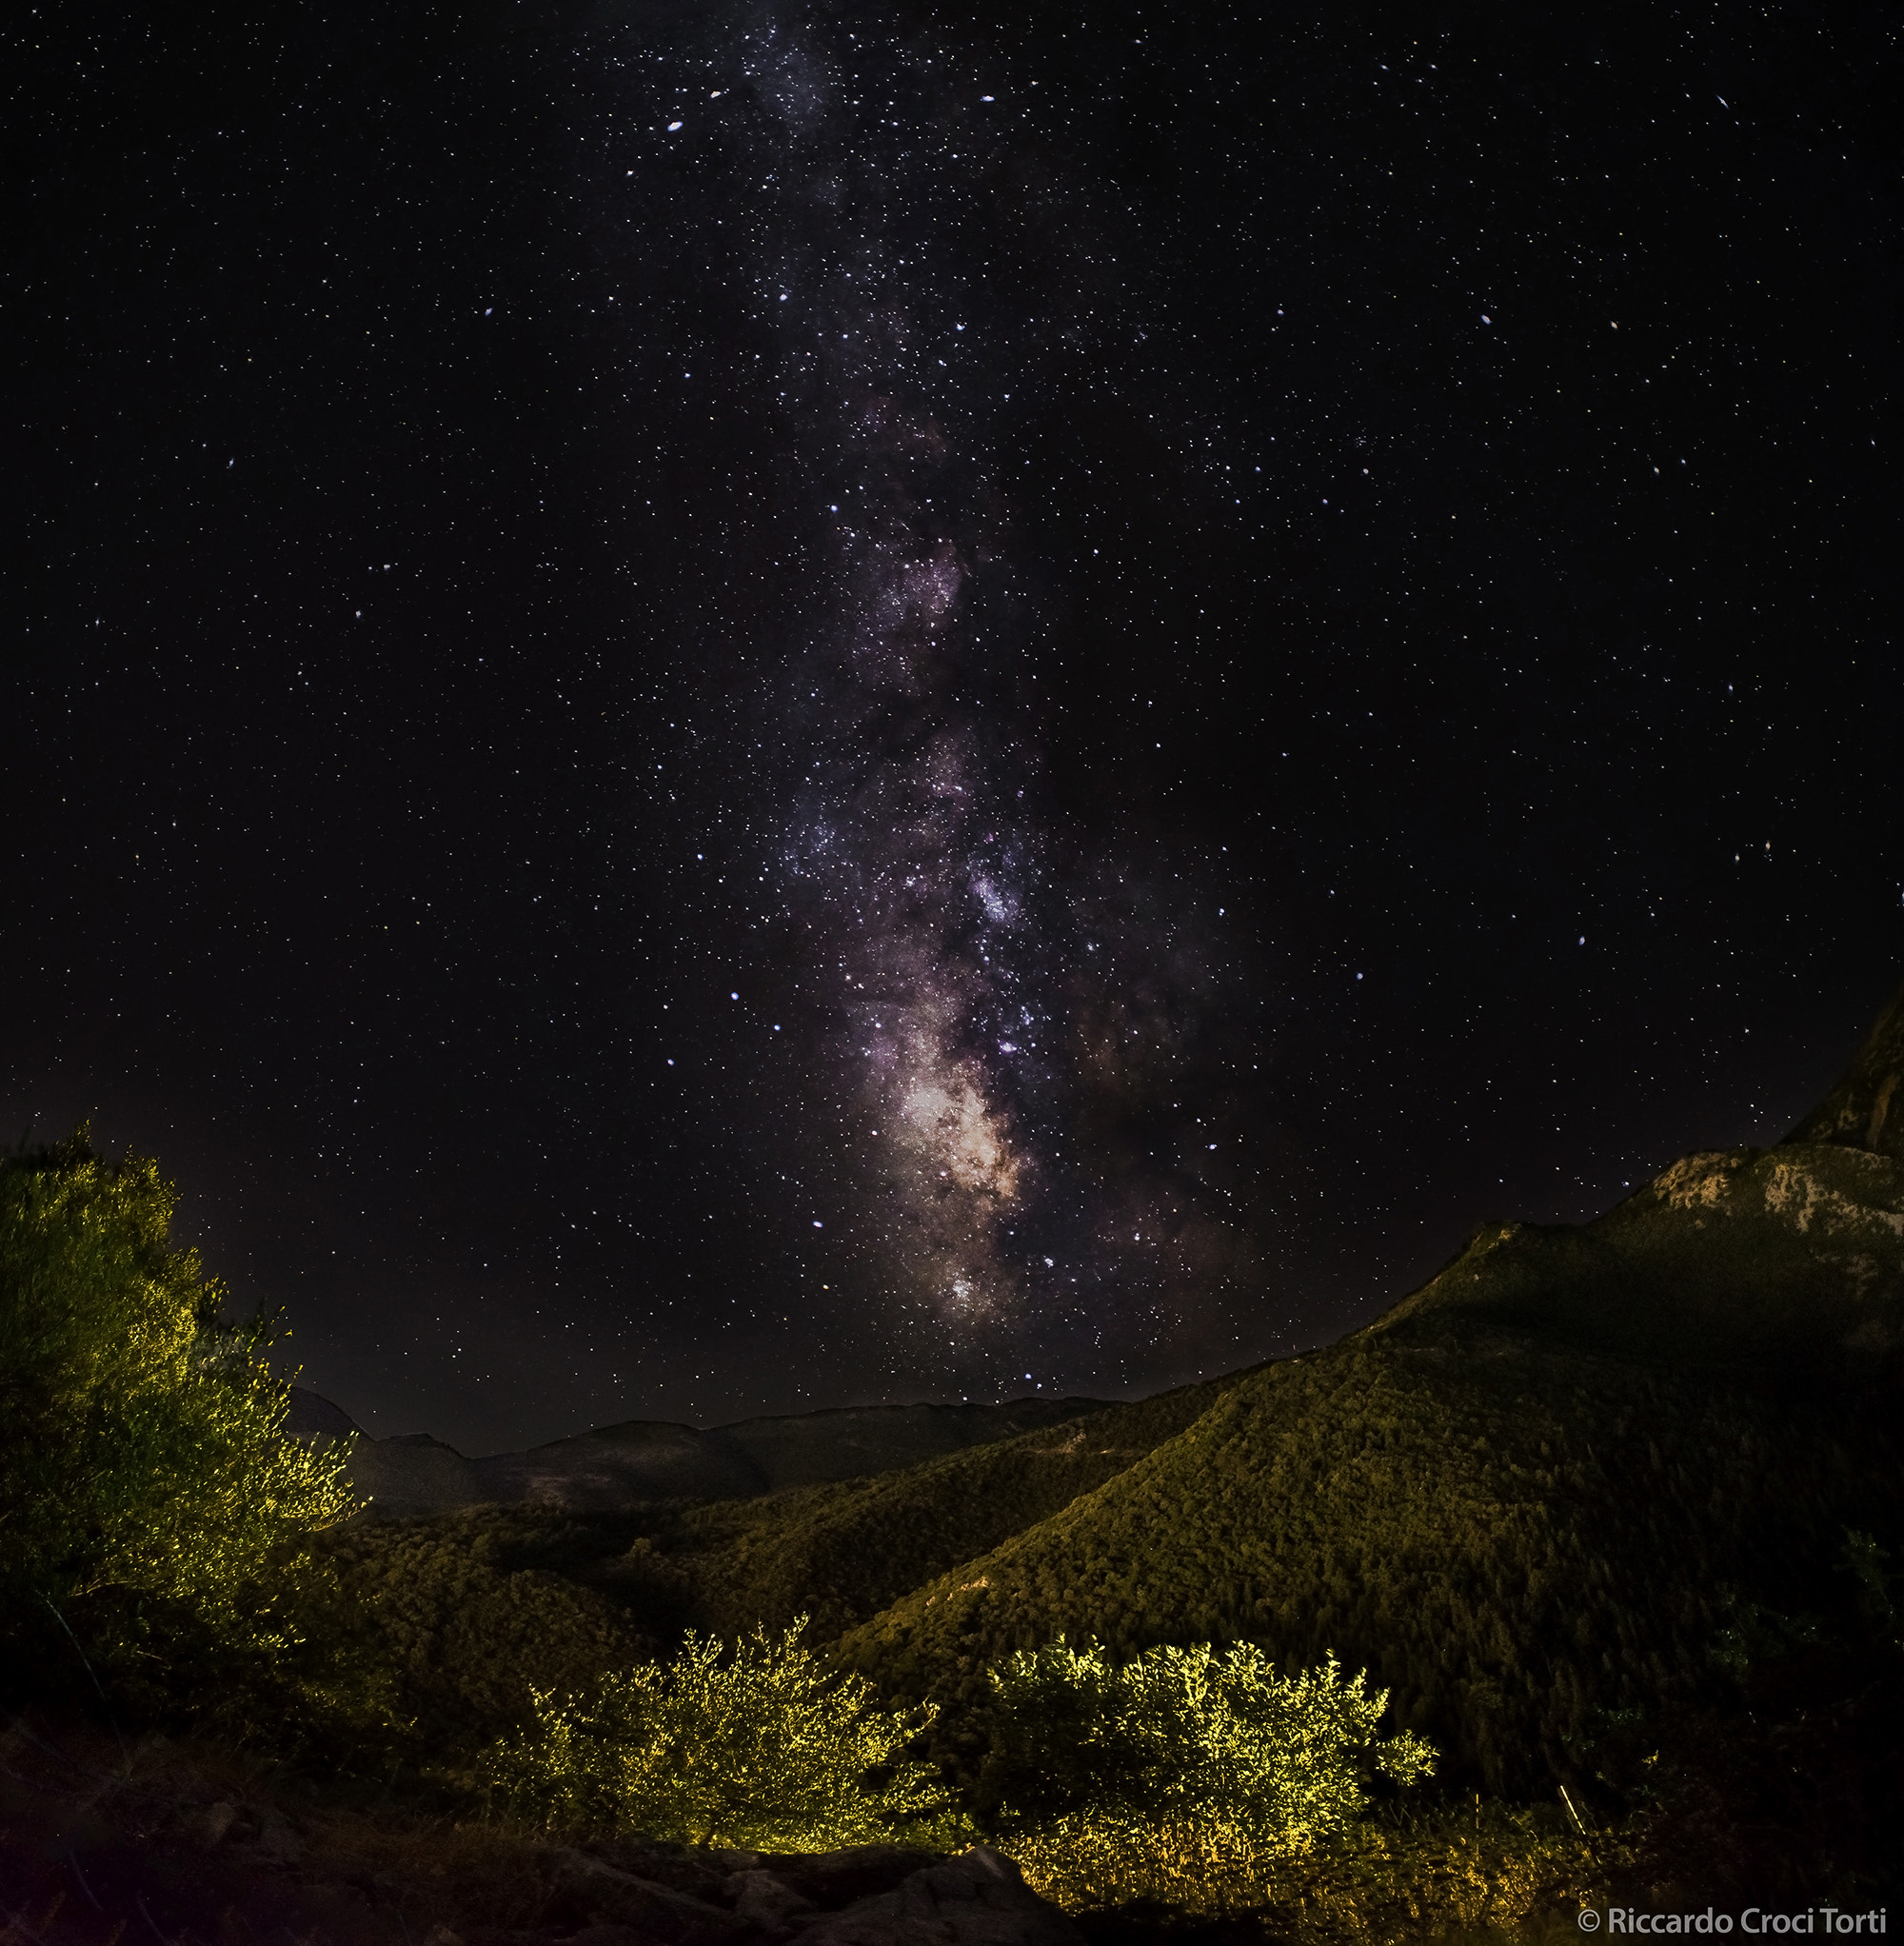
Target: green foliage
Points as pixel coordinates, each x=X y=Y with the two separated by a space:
x=465 y=1625
x=1752 y=1636
x=1795 y=1796
x=1494 y=1869
x=1430 y=1873
x=147 y=1492
x=762 y=1747
x=1187 y=1739
x=1206 y=1784
x=840 y=1553
x=1869 y=1565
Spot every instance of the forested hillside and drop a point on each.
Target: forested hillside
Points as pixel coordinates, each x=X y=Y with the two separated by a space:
x=1520 y=1541
x=1615 y=1507
x=840 y=1553
x=1552 y=1490
x=469 y=1611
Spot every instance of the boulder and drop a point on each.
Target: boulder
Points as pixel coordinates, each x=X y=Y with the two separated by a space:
x=832 y=1879
x=766 y=1900
x=978 y=1898
x=602 y=1894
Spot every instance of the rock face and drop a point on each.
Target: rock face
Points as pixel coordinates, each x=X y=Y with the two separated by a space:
x=1866 y=1109
x=1788 y=1258
x=868 y=1896
x=649 y=1460
x=980 y=1900
x=640 y=1908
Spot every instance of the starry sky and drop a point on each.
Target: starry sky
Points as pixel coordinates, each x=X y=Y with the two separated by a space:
x=719 y=710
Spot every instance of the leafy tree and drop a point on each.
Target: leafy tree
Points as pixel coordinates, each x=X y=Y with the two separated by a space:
x=1181 y=1777
x=762 y=1748
x=1186 y=1737
x=146 y=1488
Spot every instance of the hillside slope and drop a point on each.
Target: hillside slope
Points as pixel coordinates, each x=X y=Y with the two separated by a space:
x=840 y=1553
x=469 y=1608
x=1548 y=1489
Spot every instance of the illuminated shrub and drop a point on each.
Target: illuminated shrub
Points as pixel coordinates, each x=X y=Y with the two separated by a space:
x=1451 y=1872
x=146 y=1488
x=1182 y=1771
x=762 y=1747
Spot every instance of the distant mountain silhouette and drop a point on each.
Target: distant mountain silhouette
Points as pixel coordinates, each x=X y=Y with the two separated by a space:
x=638 y=1460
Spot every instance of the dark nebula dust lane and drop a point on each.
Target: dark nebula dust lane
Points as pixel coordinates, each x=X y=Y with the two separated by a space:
x=732 y=709
x=992 y=1001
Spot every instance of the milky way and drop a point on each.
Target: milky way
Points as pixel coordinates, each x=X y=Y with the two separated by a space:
x=1007 y=1092
x=648 y=827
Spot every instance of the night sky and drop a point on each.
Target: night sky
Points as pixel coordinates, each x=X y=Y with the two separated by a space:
x=717 y=709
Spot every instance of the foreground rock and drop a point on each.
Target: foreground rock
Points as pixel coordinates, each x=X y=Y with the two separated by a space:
x=869 y=1895
x=978 y=1899
x=102 y=1844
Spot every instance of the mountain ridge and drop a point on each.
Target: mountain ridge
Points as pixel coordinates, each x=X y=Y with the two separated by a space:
x=1828 y=1180
x=1865 y=1109
x=1542 y=1492
x=611 y=1467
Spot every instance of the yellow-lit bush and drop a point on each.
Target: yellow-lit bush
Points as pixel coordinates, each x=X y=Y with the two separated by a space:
x=1207 y=1783
x=762 y=1747
x=1488 y=1868
x=1378 y=1879
x=144 y=1482
x=1185 y=1738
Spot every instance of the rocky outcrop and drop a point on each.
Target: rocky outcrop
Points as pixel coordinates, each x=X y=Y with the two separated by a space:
x=1781 y=1265
x=868 y=1896
x=646 y=1909
x=1866 y=1109
x=978 y=1899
